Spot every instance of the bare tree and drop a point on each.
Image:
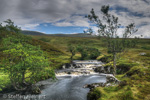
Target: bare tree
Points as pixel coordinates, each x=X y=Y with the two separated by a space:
x=107 y=27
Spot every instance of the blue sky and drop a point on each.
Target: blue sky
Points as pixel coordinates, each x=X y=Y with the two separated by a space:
x=67 y=16
x=48 y=28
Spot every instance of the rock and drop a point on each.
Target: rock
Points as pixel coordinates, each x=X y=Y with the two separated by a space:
x=111 y=79
x=94 y=85
x=102 y=69
x=142 y=54
x=36 y=90
x=63 y=66
x=68 y=72
x=108 y=84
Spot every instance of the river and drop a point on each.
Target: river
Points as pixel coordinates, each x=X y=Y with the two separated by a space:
x=70 y=82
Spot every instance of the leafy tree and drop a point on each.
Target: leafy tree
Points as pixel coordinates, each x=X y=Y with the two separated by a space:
x=107 y=27
x=83 y=52
x=72 y=49
x=94 y=53
x=10 y=27
x=88 y=52
x=24 y=63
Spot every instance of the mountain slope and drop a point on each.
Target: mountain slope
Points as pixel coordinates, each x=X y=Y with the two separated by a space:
x=48 y=48
x=73 y=35
x=26 y=32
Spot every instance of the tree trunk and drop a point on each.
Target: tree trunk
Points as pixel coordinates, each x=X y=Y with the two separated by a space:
x=114 y=63
x=71 y=57
x=23 y=77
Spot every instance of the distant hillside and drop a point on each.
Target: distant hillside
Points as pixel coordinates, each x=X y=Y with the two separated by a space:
x=72 y=35
x=58 y=35
x=26 y=32
x=48 y=48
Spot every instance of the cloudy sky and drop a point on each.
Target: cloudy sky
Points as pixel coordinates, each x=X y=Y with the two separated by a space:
x=68 y=16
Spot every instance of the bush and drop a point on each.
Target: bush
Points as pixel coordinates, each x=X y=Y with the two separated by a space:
x=94 y=95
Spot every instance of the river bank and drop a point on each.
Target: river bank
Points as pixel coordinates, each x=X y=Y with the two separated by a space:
x=74 y=81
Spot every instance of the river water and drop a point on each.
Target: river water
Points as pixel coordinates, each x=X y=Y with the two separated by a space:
x=70 y=82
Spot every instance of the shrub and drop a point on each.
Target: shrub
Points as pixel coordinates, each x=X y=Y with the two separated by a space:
x=94 y=95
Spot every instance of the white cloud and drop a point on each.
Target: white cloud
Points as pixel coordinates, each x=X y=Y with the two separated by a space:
x=30 y=13
x=29 y=26
x=64 y=24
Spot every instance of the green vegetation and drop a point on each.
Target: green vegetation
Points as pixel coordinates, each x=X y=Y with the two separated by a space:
x=133 y=69
x=24 y=60
x=88 y=52
x=94 y=95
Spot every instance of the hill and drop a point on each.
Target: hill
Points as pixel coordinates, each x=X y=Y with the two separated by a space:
x=72 y=35
x=54 y=53
x=26 y=32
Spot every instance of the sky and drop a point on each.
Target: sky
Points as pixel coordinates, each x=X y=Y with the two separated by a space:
x=68 y=16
